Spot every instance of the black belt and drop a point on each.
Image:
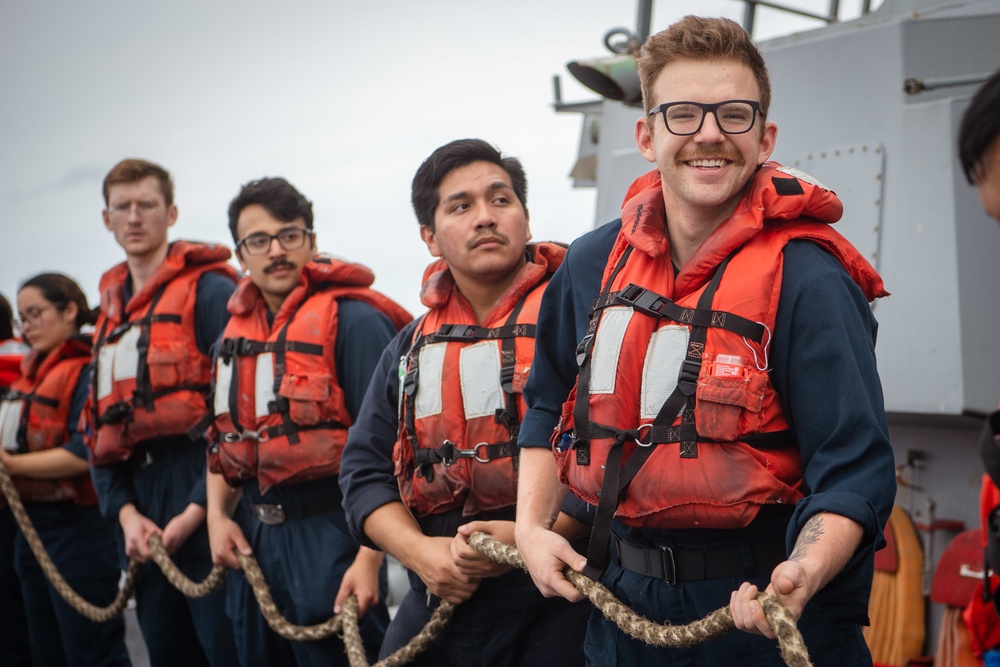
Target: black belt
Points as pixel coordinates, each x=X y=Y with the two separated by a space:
x=673 y=565
x=150 y=452
x=278 y=513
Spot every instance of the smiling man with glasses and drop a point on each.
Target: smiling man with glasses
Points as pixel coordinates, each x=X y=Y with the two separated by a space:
x=294 y=363
x=705 y=376
x=161 y=311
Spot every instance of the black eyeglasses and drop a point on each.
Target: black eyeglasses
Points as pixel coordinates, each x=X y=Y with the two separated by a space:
x=686 y=118
x=290 y=238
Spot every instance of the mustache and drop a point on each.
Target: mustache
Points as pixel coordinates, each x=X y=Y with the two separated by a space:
x=712 y=153
x=488 y=236
x=279 y=264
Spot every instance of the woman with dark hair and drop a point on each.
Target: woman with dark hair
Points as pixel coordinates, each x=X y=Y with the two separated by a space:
x=46 y=457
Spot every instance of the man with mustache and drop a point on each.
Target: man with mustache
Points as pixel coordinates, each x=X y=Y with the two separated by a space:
x=293 y=365
x=432 y=457
x=705 y=375
x=161 y=311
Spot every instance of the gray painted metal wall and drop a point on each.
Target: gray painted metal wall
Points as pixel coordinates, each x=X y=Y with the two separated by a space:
x=926 y=234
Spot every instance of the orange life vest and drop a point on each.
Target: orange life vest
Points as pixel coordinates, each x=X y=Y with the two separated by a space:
x=12 y=352
x=679 y=364
x=280 y=414
x=150 y=380
x=460 y=392
x=34 y=417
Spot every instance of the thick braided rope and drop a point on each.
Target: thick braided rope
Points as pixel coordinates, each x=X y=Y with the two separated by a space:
x=716 y=624
x=179 y=580
x=92 y=612
x=278 y=623
x=345 y=623
x=405 y=654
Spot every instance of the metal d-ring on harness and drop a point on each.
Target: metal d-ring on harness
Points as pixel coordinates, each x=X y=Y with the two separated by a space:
x=260 y=435
x=143 y=395
x=619 y=471
x=483 y=452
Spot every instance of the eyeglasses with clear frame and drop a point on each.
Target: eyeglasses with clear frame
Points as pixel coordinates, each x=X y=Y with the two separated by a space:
x=290 y=238
x=33 y=316
x=686 y=118
x=124 y=208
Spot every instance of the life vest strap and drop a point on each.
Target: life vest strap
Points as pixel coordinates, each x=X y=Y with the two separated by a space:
x=122 y=410
x=648 y=435
x=198 y=430
x=289 y=427
x=468 y=332
x=231 y=347
x=119 y=330
x=650 y=303
x=15 y=395
x=449 y=452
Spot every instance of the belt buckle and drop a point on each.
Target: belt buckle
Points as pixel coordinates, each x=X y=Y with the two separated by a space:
x=270 y=515
x=669 y=565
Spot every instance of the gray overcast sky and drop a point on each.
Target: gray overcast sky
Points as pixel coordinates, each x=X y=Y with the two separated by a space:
x=345 y=99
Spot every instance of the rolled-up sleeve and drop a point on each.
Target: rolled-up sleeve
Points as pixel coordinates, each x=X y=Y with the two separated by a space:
x=824 y=368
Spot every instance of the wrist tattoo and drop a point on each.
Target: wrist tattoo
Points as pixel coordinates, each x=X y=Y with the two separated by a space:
x=808 y=536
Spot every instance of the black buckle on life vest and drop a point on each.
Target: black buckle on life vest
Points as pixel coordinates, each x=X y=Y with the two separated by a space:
x=687 y=381
x=454 y=331
x=642 y=300
x=410 y=381
x=507 y=378
x=227 y=348
x=583 y=348
x=117 y=412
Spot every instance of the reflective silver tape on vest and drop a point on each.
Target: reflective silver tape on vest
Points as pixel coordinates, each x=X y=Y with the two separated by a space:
x=431 y=364
x=607 y=348
x=117 y=361
x=223 y=383
x=263 y=383
x=665 y=353
x=10 y=420
x=479 y=372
